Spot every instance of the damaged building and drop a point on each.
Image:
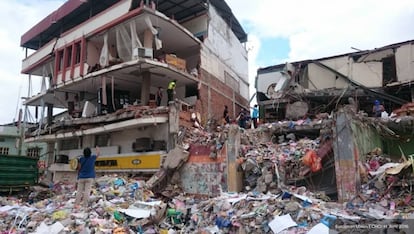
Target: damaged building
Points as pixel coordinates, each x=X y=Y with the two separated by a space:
x=102 y=63
x=332 y=100
x=315 y=86
x=318 y=161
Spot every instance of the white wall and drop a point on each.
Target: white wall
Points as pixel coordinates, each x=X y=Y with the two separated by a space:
x=404 y=58
x=320 y=78
x=366 y=73
x=222 y=51
x=38 y=55
x=266 y=79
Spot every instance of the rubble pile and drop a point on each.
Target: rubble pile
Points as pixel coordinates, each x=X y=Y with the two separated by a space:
x=386 y=183
x=270 y=157
x=124 y=203
x=271 y=154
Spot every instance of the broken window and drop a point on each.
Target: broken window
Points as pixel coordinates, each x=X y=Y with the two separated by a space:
x=69 y=144
x=389 y=71
x=191 y=90
x=68 y=56
x=102 y=140
x=60 y=60
x=77 y=53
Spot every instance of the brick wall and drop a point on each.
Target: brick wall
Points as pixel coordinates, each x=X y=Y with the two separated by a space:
x=220 y=95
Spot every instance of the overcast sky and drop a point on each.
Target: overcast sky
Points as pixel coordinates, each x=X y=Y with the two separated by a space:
x=278 y=32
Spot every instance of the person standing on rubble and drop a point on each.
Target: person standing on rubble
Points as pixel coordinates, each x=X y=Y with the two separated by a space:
x=159 y=96
x=242 y=118
x=255 y=115
x=86 y=176
x=377 y=109
x=171 y=90
x=226 y=116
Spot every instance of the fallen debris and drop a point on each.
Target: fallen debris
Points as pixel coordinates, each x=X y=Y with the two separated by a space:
x=279 y=161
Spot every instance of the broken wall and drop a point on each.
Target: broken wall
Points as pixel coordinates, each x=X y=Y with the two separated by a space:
x=352 y=140
x=365 y=138
x=203 y=175
x=404 y=57
x=265 y=80
x=368 y=73
x=198 y=26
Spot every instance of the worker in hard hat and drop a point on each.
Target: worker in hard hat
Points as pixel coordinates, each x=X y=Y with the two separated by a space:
x=171 y=90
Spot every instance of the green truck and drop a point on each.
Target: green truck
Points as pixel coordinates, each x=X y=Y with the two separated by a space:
x=18 y=160
x=17 y=172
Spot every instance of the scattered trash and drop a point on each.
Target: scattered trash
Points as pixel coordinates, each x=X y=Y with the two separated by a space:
x=278 y=163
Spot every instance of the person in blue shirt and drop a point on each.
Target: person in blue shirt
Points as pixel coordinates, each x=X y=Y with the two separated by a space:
x=377 y=109
x=86 y=176
x=255 y=115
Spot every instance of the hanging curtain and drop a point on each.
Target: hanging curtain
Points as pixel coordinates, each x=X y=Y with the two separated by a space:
x=42 y=115
x=154 y=31
x=113 y=93
x=135 y=42
x=44 y=75
x=103 y=86
x=104 y=57
x=123 y=42
x=51 y=75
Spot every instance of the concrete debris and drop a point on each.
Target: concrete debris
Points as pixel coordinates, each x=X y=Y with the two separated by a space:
x=126 y=203
x=283 y=193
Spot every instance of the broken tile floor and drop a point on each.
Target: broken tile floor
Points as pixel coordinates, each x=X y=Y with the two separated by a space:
x=272 y=200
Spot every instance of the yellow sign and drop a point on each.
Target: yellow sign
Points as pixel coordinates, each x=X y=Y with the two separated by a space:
x=121 y=162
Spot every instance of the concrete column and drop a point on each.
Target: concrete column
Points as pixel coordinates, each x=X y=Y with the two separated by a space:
x=234 y=177
x=412 y=94
x=49 y=113
x=173 y=125
x=208 y=102
x=346 y=165
x=234 y=105
x=50 y=159
x=145 y=88
x=148 y=38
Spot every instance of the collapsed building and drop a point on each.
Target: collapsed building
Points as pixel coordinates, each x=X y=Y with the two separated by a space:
x=106 y=88
x=102 y=62
x=334 y=97
x=317 y=86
